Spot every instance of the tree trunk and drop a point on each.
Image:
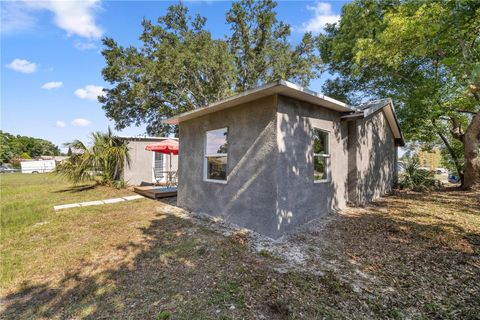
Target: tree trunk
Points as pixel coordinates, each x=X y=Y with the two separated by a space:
x=458 y=166
x=472 y=154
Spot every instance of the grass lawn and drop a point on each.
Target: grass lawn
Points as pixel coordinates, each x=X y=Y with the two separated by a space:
x=408 y=255
x=36 y=240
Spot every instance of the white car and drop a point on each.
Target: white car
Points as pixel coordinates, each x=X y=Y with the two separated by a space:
x=441 y=171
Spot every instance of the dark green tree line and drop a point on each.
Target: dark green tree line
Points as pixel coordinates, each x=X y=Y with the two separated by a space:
x=11 y=147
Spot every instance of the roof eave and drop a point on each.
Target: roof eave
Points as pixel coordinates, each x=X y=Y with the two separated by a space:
x=144 y=138
x=281 y=87
x=399 y=138
x=370 y=108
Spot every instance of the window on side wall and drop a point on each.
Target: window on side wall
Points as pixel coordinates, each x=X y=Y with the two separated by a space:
x=216 y=155
x=321 y=155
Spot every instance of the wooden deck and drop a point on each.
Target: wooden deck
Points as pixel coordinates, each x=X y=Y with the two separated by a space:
x=156 y=192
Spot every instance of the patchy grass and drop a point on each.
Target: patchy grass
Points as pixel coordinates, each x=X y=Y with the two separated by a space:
x=34 y=239
x=417 y=254
x=413 y=255
x=28 y=199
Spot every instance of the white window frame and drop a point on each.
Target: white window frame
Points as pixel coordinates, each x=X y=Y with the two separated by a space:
x=206 y=155
x=323 y=155
x=164 y=178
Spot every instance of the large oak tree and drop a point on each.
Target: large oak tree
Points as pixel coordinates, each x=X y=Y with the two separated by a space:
x=426 y=55
x=180 y=67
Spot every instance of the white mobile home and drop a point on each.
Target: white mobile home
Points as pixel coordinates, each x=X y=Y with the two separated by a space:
x=37 y=166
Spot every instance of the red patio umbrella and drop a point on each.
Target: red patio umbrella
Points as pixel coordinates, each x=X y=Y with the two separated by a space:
x=168 y=146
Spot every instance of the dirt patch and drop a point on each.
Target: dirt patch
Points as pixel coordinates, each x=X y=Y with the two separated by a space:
x=414 y=254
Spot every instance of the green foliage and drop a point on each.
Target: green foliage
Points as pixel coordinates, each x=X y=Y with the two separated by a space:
x=103 y=161
x=423 y=54
x=24 y=155
x=261 y=49
x=164 y=315
x=416 y=179
x=119 y=184
x=179 y=66
x=447 y=160
x=24 y=147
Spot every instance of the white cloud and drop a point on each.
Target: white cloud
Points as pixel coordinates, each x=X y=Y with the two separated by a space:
x=89 y=92
x=15 y=17
x=80 y=122
x=60 y=124
x=22 y=65
x=80 y=45
x=75 y=17
x=52 y=85
x=323 y=14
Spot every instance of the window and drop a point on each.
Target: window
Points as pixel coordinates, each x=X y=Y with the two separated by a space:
x=321 y=155
x=158 y=167
x=216 y=155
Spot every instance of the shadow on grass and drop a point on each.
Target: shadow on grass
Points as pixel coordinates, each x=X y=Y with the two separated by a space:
x=450 y=196
x=426 y=263
x=182 y=270
x=128 y=288
x=79 y=188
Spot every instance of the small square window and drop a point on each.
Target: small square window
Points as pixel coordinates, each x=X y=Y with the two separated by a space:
x=216 y=141
x=217 y=168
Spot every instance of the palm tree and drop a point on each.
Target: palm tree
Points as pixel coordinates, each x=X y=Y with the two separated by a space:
x=103 y=161
x=415 y=178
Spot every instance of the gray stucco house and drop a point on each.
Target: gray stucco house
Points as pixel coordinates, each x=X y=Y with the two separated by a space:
x=292 y=155
x=146 y=167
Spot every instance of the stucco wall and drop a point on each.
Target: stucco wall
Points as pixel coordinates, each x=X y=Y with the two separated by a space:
x=372 y=158
x=352 y=179
x=300 y=199
x=249 y=197
x=141 y=162
x=270 y=186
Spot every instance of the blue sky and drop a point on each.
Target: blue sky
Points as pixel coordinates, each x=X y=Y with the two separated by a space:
x=51 y=62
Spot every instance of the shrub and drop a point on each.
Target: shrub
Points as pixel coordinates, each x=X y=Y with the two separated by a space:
x=103 y=161
x=120 y=184
x=415 y=178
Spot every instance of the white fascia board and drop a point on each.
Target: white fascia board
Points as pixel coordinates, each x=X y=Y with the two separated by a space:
x=146 y=138
x=393 y=122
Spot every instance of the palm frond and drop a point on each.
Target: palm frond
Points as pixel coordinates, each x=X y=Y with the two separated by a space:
x=415 y=178
x=104 y=159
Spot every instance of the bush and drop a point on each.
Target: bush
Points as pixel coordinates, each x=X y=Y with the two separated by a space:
x=120 y=184
x=415 y=178
x=102 y=162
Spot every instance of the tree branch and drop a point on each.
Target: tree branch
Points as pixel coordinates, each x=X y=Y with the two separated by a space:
x=449 y=148
x=456 y=130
